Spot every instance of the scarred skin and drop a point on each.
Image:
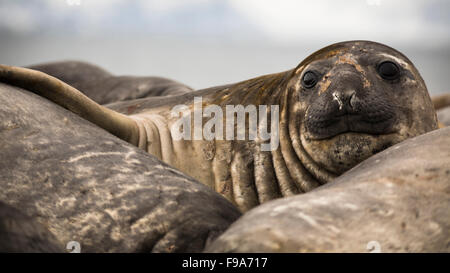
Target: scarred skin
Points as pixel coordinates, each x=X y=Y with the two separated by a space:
x=349 y=115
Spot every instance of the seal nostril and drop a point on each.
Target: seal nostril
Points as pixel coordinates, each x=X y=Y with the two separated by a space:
x=337 y=98
x=353 y=100
x=345 y=99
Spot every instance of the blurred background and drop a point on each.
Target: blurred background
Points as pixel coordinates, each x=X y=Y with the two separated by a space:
x=204 y=43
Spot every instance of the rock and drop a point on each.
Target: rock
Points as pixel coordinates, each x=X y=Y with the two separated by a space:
x=88 y=186
x=395 y=201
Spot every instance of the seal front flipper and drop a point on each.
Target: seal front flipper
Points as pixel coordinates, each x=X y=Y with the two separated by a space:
x=72 y=99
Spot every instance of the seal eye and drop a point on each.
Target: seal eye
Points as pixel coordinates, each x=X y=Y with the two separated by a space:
x=388 y=70
x=309 y=79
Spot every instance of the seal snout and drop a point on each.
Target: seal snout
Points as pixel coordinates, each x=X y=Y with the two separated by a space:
x=348 y=106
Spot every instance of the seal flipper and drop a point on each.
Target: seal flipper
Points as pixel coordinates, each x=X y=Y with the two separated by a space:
x=441 y=101
x=72 y=99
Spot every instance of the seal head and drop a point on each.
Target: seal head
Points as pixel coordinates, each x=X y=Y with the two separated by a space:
x=357 y=98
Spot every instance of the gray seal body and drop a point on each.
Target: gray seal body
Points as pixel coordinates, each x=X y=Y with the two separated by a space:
x=86 y=185
x=21 y=233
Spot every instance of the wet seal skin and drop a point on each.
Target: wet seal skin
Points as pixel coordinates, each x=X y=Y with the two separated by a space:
x=20 y=233
x=86 y=185
x=339 y=106
x=104 y=87
x=396 y=201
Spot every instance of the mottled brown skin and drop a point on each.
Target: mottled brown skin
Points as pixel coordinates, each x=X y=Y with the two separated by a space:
x=320 y=136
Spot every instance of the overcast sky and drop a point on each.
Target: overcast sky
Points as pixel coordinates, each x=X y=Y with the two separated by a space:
x=281 y=21
x=264 y=35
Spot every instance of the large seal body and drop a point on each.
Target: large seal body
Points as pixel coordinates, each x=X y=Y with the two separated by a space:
x=338 y=107
x=21 y=233
x=86 y=185
x=395 y=201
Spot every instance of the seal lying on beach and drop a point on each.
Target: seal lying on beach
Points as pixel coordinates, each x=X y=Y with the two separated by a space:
x=339 y=106
x=86 y=185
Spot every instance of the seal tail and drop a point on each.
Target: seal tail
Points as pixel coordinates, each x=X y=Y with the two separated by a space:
x=72 y=99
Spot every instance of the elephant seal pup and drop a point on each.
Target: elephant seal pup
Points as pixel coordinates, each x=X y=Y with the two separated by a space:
x=339 y=106
x=103 y=87
x=395 y=201
x=88 y=186
x=20 y=233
